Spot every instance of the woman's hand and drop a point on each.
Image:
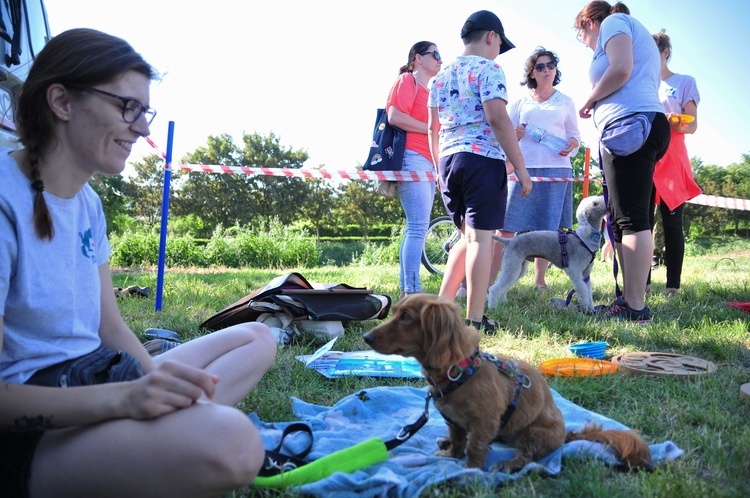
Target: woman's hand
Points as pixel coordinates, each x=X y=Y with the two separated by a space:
x=585 y=111
x=572 y=145
x=521 y=131
x=525 y=180
x=169 y=387
x=683 y=123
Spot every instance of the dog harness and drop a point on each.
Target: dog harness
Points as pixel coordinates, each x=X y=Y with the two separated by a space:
x=461 y=372
x=562 y=238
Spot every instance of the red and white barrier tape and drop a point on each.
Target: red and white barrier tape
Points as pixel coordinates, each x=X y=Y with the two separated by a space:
x=407 y=176
x=722 y=202
x=358 y=174
x=156 y=148
x=414 y=176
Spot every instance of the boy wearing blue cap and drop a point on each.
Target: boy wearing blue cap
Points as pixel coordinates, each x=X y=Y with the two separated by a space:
x=471 y=137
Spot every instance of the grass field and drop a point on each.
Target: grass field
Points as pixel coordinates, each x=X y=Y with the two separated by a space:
x=706 y=417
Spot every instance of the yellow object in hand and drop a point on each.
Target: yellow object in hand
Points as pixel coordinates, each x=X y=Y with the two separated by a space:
x=682 y=118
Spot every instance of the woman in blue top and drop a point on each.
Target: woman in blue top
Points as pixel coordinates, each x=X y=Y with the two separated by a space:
x=625 y=74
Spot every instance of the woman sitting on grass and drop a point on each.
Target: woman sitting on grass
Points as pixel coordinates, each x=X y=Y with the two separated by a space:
x=163 y=426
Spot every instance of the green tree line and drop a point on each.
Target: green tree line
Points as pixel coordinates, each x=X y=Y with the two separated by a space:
x=202 y=202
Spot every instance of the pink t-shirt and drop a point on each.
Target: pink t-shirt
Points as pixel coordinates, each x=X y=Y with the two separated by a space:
x=411 y=99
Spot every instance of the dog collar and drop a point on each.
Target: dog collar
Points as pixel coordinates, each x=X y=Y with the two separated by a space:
x=456 y=375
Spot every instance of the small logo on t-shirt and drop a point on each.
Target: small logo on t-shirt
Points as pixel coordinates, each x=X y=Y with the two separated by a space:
x=87 y=247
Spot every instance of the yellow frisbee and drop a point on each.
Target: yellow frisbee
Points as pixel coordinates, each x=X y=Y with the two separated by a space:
x=685 y=118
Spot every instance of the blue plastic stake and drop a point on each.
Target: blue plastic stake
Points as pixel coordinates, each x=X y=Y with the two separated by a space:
x=164 y=218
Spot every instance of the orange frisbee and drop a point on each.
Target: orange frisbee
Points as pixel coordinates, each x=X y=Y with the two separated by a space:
x=582 y=367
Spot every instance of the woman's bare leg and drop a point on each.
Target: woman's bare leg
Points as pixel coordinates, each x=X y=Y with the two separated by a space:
x=239 y=355
x=636 y=251
x=204 y=450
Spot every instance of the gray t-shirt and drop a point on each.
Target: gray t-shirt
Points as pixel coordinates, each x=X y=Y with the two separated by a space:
x=49 y=290
x=641 y=92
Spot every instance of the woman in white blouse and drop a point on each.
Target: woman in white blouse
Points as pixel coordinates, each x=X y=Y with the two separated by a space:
x=543 y=109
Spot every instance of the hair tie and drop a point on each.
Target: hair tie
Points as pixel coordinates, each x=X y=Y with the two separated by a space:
x=38 y=185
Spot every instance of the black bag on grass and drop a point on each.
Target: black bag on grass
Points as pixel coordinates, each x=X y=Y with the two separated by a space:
x=293 y=295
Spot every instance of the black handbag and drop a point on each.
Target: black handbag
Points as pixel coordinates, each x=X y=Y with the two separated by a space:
x=293 y=295
x=387 y=147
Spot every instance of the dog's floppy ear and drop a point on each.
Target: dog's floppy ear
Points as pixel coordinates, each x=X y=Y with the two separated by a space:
x=443 y=333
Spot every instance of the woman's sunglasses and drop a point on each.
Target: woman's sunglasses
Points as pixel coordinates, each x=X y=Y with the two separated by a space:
x=549 y=65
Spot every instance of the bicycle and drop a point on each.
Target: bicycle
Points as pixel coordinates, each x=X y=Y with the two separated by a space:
x=442 y=235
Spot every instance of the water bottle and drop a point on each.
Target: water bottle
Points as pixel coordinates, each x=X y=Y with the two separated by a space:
x=540 y=135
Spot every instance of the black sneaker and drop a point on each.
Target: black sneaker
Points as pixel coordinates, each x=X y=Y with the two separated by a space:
x=622 y=311
x=489 y=326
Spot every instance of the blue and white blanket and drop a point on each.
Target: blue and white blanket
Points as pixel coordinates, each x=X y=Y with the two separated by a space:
x=412 y=467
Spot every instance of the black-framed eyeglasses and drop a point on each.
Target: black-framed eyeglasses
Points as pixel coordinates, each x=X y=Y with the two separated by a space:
x=541 y=66
x=131 y=108
x=434 y=53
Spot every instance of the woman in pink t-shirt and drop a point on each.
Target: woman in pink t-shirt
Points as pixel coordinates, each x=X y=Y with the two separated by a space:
x=407 y=109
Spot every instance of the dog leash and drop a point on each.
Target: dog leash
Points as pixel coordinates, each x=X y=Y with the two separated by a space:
x=281 y=471
x=610 y=232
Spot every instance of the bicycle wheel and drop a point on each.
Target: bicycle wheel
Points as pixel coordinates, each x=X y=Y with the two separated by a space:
x=441 y=236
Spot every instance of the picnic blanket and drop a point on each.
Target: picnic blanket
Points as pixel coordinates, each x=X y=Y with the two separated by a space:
x=412 y=467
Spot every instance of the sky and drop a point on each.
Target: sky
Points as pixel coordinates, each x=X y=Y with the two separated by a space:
x=314 y=73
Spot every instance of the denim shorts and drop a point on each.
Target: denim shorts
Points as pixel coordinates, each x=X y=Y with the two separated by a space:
x=474 y=190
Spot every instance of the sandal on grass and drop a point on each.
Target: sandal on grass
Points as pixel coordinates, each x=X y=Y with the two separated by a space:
x=133 y=291
x=489 y=326
x=155 y=347
x=169 y=335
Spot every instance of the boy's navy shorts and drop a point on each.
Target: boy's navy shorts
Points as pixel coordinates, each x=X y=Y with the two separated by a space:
x=474 y=190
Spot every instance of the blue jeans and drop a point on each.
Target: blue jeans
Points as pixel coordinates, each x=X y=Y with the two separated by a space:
x=416 y=199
